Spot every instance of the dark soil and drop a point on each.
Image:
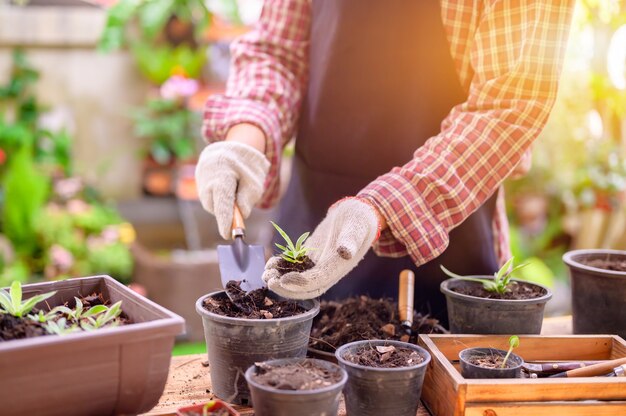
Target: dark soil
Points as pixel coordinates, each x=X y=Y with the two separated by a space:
x=251 y=305
x=387 y=356
x=606 y=264
x=490 y=361
x=361 y=318
x=285 y=266
x=515 y=291
x=12 y=328
x=301 y=376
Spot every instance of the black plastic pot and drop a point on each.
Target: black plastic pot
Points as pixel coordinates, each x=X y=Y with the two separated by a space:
x=269 y=401
x=469 y=370
x=382 y=391
x=598 y=295
x=475 y=315
x=234 y=344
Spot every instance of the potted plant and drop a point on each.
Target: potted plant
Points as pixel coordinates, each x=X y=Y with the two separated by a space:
x=494 y=305
x=598 y=279
x=296 y=386
x=110 y=334
x=491 y=362
x=210 y=408
x=384 y=377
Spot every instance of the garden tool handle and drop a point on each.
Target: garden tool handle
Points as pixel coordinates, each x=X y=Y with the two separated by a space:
x=593 y=370
x=406 y=297
x=555 y=367
x=239 y=228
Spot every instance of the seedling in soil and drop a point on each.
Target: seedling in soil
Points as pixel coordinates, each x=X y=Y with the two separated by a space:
x=293 y=253
x=12 y=304
x=501 y=279
x=108 y=318
x=79 y=312
x=61 y=327
x=513 y=343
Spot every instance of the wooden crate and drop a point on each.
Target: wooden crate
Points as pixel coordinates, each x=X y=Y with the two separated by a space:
x=447 y=393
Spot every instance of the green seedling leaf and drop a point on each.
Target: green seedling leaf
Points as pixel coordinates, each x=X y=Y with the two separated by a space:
x=283 y=235
x=95 y=310
x=513 y=343
x=12 y=304
x=16 y=295
x=301 y=241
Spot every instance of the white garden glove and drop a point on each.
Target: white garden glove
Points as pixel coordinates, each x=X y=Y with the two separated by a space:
x=337 y=245
x=229 y=172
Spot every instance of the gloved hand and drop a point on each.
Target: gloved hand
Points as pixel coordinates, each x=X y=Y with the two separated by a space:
x=336 y=246
x=229 y=172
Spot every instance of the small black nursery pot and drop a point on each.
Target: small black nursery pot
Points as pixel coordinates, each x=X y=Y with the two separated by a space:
x=470 y=369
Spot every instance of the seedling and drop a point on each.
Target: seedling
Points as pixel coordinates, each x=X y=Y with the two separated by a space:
x=42 y=317
x=60 y=327
x=513 y=343
x=79 y=312
x=209 y=406
x=12 y=304
x=292 y=253
x=108 y=318
x=501 y=279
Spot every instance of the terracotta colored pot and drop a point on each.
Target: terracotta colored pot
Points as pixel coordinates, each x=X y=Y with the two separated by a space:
x=197 y=409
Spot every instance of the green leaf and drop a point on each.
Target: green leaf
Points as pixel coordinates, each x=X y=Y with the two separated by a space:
x=514 y=341
x=31 y=302
x=301 y=241
x=283 y=248
x=503 y=270
x=16 y=295
x=284 y=235
x=95 y=310
x=451 y=274
x=5 y=302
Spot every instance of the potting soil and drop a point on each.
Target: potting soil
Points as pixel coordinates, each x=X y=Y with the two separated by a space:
x=12 y=328
x=384 y=356
x=489 y=361
x=362 y=317
x=515 y=291
x=255 y=304
x=285 y=266
x=298 y=376
x=606 y=264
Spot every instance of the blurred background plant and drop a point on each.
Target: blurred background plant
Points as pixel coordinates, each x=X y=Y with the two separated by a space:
x=51 y=225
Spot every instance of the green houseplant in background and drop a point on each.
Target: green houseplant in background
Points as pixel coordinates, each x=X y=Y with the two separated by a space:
x=52 y=225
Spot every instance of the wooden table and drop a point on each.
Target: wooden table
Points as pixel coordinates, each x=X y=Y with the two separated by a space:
x=189 y=383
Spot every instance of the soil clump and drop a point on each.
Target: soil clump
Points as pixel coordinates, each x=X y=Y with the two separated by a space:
x=384 y=356
x=515 y=291
x=297 y=376
x=283 y=266
x=255 y=304
x=490 y=361
x=12 y=327
x=360 y=318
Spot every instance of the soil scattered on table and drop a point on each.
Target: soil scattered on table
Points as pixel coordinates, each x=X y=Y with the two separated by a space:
x=606 y=264
x=384 y=356
x=515 y=291
x=12 y=328
x=305 y=375
x=490 y=361
x=361 y=318
x=255 y=304
x=283 y=266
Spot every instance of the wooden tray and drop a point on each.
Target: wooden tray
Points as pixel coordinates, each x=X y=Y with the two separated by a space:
x=447 y=393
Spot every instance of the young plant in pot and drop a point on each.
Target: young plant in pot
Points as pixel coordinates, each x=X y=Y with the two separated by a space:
x=242 y=328
x=73 y=328
x=384 y=377
x=296 y=386
x=491 y=362
x=598 y=280
x=494 y=304
x=210 y=408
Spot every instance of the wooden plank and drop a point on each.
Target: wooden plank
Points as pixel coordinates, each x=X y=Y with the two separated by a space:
x=547 y=409
x=441 y=393
x=509 y=390
x=532 y=347
x=189 y=383
x=619 y=347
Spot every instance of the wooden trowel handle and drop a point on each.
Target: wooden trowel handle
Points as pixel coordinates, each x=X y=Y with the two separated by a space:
x=405 y=296
x=593 y=370
x=239 y=228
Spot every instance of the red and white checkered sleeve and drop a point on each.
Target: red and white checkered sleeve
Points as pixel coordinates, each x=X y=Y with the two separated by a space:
x=266 y=82
x=516 y=56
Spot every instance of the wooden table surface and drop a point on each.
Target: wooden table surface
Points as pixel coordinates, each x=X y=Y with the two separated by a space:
x=189 y=383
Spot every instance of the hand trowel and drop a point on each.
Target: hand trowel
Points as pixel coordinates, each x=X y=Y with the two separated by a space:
x=240 y=261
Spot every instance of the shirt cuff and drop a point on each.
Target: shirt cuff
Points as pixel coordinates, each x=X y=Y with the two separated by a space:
x=412 y=228
x=221 y=113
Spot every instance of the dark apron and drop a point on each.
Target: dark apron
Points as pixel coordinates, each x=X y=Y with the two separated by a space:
x=381 y=81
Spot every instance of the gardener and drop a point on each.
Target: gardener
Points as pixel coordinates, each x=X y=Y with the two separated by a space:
x=408 y=115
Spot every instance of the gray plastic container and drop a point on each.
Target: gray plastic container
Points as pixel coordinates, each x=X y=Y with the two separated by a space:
x=475 y=315
x=269 y=401
x=111 y=371
x=382 y=391
x=469 y=370
x=234 y=344
x=598 y=295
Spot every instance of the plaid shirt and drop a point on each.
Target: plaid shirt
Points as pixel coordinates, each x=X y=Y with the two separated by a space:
x=508 y=55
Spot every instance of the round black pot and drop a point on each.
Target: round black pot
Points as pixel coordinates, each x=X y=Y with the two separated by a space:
x=475 y=315
x=382 y=391
x=269 y=401
x=469 y=370
x=234 y=344
x=598 y=295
